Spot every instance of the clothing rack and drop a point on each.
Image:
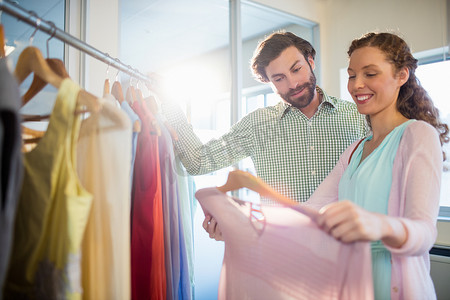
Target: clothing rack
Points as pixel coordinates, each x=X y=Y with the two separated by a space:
x=49 y=27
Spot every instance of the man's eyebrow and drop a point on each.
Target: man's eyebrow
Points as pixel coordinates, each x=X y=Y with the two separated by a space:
x=294 y=64
x=281 y=74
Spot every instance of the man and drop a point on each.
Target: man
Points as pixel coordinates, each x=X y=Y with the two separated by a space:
x=294 y=144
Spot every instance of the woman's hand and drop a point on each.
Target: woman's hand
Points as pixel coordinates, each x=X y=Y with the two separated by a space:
x=211 y=226
x=348 y=223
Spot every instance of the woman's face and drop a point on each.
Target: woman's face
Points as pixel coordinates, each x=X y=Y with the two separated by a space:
x=372 y=82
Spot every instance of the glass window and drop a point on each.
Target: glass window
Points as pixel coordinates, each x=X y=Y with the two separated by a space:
x=434 y=78
x=19 y=35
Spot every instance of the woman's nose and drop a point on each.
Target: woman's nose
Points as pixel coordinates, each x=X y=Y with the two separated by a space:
x=359 y=83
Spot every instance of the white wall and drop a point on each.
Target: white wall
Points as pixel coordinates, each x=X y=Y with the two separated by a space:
x=102 y=32
x=422 y=23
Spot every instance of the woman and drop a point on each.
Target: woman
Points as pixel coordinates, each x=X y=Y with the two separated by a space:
x=385 y=188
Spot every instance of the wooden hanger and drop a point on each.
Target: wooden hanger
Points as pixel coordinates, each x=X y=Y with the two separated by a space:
x=2 y=41
x=139 y=95
x=106 y=89
x=151 y=103
x=151 y=118
x=31 y=61
x=38 y=84
x=32 y=132
x=130 y=95
x=30 y=136
x=240 y=179
x=117 y=92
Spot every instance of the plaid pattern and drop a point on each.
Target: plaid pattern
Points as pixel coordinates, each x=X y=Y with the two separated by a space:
x=290 y=152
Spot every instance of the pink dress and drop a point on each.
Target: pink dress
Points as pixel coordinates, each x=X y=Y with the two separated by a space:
x=282 y=254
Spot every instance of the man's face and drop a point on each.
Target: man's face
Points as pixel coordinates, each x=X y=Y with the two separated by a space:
x=292 y=77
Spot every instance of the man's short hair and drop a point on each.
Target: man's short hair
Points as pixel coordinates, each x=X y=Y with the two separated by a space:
x=272 y=46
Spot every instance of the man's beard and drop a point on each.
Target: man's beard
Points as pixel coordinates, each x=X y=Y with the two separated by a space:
x=304 y=100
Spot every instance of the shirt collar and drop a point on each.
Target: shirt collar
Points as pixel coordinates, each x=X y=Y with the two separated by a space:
x=284 y=108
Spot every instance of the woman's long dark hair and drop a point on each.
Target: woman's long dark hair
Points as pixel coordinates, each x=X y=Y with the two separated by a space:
x=413 y=101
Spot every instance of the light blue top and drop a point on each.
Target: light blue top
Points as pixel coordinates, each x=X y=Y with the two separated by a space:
x=368 y=184
x=133 y=117
x=178 y=285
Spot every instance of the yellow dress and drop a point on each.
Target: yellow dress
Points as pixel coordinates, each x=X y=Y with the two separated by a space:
x=52 y=211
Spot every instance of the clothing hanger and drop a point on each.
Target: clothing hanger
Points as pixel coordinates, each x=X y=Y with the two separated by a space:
x=151 y=118
x=240 y=179
x=106 y=85
x=117 y=92
x=38 y=84
x=106 y=89
x=131 y=95
x=30 y=136
x=55 y=65
x=31 y=61
x=151 y=103
x=2 y=41
x=139 y=95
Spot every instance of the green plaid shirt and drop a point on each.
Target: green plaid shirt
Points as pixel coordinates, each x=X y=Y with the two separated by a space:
x=290 y=152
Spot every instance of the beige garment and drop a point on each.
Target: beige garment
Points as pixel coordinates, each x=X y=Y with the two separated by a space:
x=104 y=155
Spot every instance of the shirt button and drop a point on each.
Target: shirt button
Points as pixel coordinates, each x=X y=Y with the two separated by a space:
x=395 y=289
x=309 y=123
x=311 y=148
x=313 y=173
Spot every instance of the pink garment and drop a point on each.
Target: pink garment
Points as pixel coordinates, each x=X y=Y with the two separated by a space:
x=414 y=199
x=285 y=257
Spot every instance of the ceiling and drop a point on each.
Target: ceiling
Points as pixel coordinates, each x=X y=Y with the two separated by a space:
x=155 y=33
x=167 y=31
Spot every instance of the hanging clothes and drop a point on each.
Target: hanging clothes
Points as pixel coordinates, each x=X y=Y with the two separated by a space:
x=133 y=118
x=282 y=254
x=52 y=212
x=188 y=206
x=148 y=274
x=11 y=162
x=104 y=153
x=176 y=260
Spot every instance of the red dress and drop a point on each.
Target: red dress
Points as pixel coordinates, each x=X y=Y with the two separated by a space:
x=148 y=274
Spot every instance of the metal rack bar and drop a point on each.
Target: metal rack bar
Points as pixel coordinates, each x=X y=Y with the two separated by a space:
x=48 y=27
